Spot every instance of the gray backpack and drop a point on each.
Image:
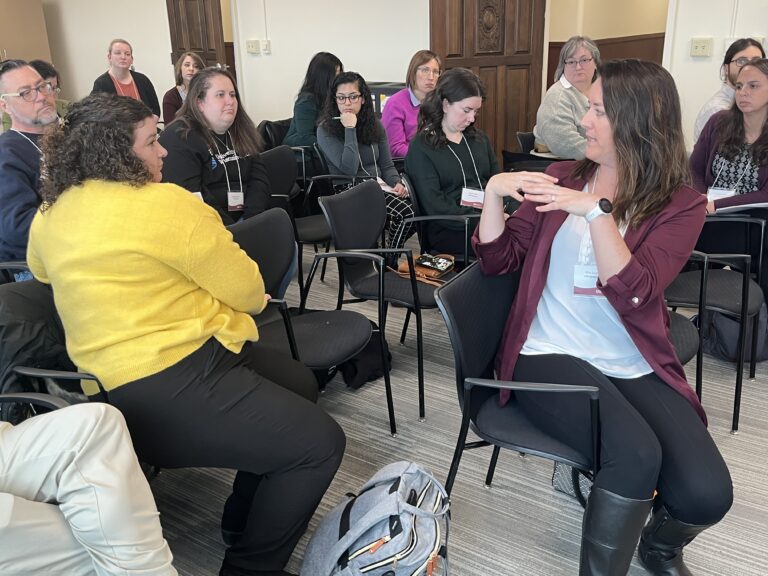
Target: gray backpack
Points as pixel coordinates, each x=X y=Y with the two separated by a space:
x=396 y=525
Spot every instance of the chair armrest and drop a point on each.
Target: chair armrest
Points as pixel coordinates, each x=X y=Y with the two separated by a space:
x=14 y=265
x=741 y=262
x=590 y=391
x=282 y=306
x=36 y=398
x=60 y=374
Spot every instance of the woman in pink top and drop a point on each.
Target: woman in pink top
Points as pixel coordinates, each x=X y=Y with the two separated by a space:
x=401 y=112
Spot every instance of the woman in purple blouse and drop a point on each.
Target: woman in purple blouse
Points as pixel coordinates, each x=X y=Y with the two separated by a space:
x=401 y=111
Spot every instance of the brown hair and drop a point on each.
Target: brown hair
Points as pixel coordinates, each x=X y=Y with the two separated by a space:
x=419 y=59
x=643 y=107
x=95 y=142
x=119 y=41
x=177 y=67
x=245 y=137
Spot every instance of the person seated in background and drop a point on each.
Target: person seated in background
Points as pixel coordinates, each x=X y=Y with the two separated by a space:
x=185 y=69
x=558 y=127
x=730 y=159
x=175 y=297
x=73 y=498
x=450 y=155
x=50 y=75
x=741 y=52
x=122 y=80
x=598 y=242
x=30 y=102
x=322 y=69
x=355 y=144
x=401 y=111
x=213 y=149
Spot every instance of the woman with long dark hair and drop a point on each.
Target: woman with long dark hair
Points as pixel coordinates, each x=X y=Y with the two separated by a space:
x=730 y=159
x=213 y=149
x=450 y=155
x=322 y=69
x=355 y=144
x=186 y=67
x=598 y=242
x=168 y=329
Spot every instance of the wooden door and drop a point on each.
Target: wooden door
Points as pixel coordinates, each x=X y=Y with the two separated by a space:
x=196 y=26
x=502 y=41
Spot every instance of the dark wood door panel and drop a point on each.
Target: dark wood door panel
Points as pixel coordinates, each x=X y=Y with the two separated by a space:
x=195 y=25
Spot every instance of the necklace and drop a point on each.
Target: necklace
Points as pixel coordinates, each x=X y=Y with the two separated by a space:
x=28 y=139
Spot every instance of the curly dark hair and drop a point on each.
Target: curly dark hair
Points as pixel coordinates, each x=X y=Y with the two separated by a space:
x=453 y=86
x=95 y=142
x=643 y=108
x=369 y=131
x=245 y=137
x=730 y=127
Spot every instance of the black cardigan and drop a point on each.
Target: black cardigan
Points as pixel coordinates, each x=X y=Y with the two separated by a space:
x=143 y=84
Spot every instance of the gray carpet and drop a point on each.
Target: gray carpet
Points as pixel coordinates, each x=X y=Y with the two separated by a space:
x=521 y=525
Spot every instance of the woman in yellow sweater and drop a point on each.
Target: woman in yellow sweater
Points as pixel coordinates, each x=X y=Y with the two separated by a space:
x=156 y=300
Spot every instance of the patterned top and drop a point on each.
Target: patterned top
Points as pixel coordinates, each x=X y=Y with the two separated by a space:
x=739 y=174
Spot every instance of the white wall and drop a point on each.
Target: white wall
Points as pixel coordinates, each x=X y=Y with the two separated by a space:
x=724 y=20
x=79 y=32
x=378 y=43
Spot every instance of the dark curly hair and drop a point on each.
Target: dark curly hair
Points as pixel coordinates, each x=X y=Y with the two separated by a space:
x=369 y=131
x=453 y=86
x=245 y=137
x=643 y=108
x=95 y=142
x=730 y=127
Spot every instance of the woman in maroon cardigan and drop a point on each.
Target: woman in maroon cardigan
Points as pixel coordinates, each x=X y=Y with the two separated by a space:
x=597 y=249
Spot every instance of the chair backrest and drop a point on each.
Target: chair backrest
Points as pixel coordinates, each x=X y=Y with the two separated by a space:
x=268 y=239
x=273 y=132
x=417 y=211
x=281 y=166
x=737 y=233
x=526 y=140
x=30 y=331
x=475 y=308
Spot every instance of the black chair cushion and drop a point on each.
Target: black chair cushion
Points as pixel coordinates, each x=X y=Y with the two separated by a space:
x=312 y=229
x=509 y=427
x=684 y=336
x=723 y=291
x=396 y=289
x=347 y=333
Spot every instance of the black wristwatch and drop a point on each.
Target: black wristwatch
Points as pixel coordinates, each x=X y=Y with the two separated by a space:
x=602 y=208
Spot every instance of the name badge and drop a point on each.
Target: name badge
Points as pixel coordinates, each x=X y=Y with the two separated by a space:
x=585 y=280
x=718 y=193
x=472 y=197
x=235 y=201
x=198 y=195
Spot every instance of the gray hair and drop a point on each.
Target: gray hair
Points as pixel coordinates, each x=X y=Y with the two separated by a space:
x=573 y=44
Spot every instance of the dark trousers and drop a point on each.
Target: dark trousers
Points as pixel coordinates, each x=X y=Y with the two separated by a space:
x=254 y=412
x=651 y=437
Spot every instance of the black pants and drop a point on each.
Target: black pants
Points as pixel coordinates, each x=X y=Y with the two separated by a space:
x=255 y=412
x=651 y=437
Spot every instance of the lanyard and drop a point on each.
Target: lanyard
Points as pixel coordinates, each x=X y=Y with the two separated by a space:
x=375 y=166
x=720 y=171
x=479 y=182
x=28 y=139
x=224 y=162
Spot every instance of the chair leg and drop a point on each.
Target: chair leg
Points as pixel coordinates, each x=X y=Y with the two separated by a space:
x=405 y=326
x=739 y=372
x=388 y=386
x=420 y=357
x=300 y=271
x=492 y=466
x=460 y=442
x=325 y=262
x=753 y=357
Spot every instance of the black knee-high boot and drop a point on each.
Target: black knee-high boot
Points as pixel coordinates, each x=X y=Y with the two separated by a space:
x=662 y=542
x=610 y=531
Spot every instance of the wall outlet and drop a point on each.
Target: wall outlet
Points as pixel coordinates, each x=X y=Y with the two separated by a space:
x=266 y=47
x=253 y=47
x=701 y=47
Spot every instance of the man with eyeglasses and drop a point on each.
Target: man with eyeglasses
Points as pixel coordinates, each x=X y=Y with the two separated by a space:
x=738 y=54
x=30 y=101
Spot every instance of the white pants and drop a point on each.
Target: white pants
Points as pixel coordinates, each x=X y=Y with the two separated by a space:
x=73 y=499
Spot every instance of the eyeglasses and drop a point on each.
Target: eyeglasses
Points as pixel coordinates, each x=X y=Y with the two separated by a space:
x=30 y=94
x=427 y=71
x=743 y=61
x=582 y=62
x=341 y=98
